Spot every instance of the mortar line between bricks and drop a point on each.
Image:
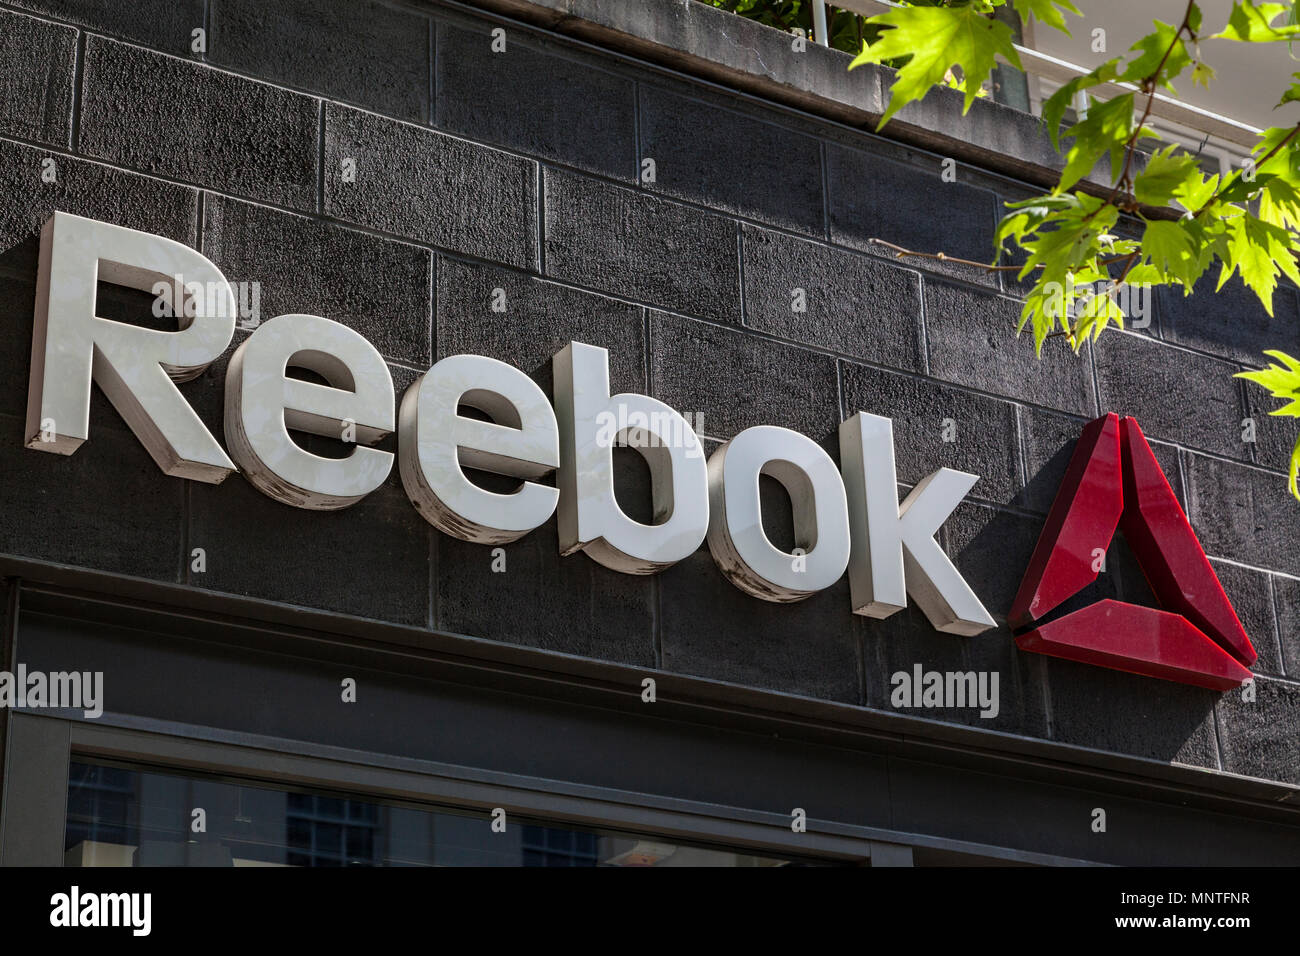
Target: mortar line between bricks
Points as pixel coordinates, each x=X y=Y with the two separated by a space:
x=1178 y=346
x=1277 y=623
x=1179 y=453
x=1255 y=567
x=1218 y=737
x=826 y=189
x=78 y=84
x=1022 y=454
x=539 y=233
x=320 y=159
x=648 y=349
x=1096 y=381
x=1216 y=456
x=924 y=326
x=999 y=255
x=431 y=114
x=840 y=397
x=199 y=207
x=433 y=309
x=636 y=134
x=740 y=274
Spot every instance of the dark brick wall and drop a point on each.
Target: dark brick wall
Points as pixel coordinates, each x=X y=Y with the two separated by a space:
x=521 y=171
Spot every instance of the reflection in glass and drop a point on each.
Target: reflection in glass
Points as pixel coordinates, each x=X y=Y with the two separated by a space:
x=127 y=816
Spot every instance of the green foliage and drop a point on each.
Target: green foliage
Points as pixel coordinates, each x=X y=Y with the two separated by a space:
x=1245 y=221
x=1171 y=251
x=1251 y=23
x=1107 y=129
x=1048 y=12
x=1283 y=381
x=1165 y=175
x=930 y=41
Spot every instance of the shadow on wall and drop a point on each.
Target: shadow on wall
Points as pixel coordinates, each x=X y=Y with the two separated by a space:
x=20 y=258
x=1085 y=705
x=1232 y=322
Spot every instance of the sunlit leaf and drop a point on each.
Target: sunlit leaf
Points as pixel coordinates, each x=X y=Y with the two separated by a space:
x=1251 y=22
x=1048 y=12
x=935 y=39
x=1172 y=250
x=1162 y=50
x=1105 y=130
x=1164 y=175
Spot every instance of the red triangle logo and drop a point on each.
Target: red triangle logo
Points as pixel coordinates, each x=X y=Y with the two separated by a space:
x=1113 y=480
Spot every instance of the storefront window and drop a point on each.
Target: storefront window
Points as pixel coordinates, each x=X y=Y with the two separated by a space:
x=130 y=816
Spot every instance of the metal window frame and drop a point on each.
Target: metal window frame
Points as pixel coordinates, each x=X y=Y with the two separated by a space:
x=35 y=794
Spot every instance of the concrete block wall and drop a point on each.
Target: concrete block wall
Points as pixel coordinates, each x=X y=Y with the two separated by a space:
x=520 y=170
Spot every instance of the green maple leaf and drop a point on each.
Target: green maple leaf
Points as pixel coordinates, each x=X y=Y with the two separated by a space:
x=1044 y=308
x=1279 y=203
x=935 y=39
x=1292 y=94
x=1259 y=251
x=1164 y=175
x=1293 y=472
x=1048 y=12
x=1056 y=105
x=1283 y=381
x=1106 y=129
x=1172 y=251
x=1195 y=191
x=1250 y=23
x=1162 y=45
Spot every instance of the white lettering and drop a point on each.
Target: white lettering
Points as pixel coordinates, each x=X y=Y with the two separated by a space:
x=436 y=443
x=263 y=403
x=137 y=368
